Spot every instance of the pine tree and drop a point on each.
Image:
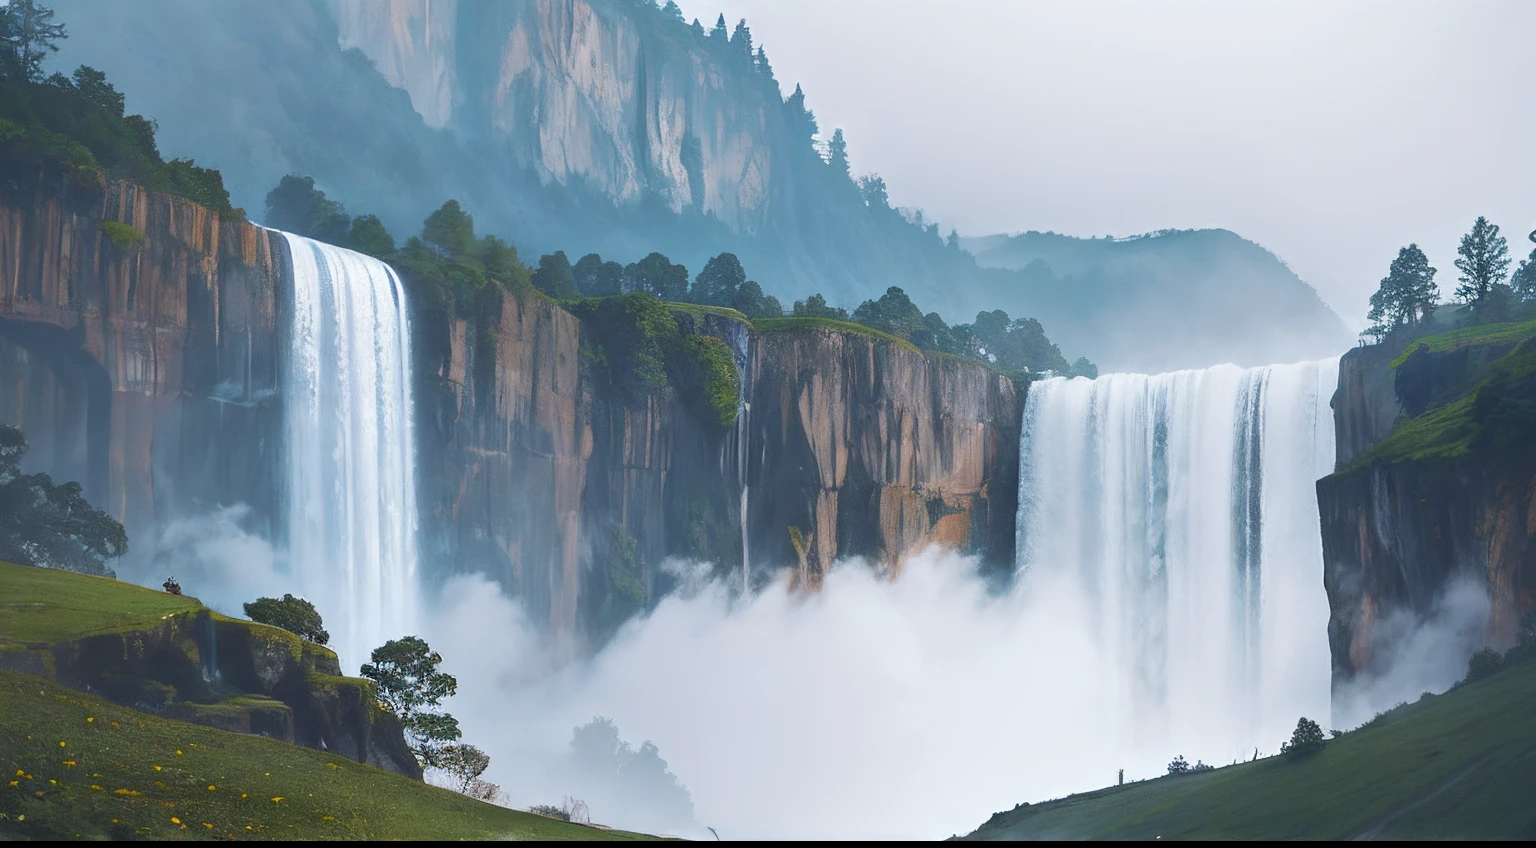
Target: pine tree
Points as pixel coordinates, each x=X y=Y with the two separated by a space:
x=698 y=28
x=760 y=64
x=27 y=34
x=672 y=11
x=720 y=31
x=1483 y=262
x=800 y=118
x=741 y=39
x=1406 y=294
x=1523 y=281
x=839 y=154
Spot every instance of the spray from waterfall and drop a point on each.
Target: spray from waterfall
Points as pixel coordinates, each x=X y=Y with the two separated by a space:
x=351 y=476
x=1184 y=504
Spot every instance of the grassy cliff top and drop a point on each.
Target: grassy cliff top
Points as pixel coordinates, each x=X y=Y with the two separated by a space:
x=40 y=605
x=76 y=766
x=800 y=325
x=1452 y=766
x=698 y=310
x=1479 y=335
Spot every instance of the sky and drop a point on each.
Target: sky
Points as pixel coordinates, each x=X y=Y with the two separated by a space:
x=1332 y=133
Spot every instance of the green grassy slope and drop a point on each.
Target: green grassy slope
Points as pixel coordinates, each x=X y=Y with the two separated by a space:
x=1459 y=765
x=74 y=765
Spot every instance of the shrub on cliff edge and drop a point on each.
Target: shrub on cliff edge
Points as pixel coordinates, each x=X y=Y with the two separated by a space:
x=1306 y=740
x=295 y=615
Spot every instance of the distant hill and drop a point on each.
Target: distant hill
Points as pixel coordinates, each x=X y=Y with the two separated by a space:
x=1166 y=300
x=1452 y=766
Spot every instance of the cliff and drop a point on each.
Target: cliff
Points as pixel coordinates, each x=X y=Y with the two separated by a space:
x=146 y=371
x=1448 y=492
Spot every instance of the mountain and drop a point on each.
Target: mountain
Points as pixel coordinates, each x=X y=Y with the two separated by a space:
x=1168 y=300
x=608 y=126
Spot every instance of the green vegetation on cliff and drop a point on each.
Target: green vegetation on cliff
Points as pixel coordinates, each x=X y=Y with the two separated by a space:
x=1477 y=389
x=1453 y=766
x=43 y=606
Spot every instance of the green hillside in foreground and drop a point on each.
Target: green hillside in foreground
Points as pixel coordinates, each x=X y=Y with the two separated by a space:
x=75 y=766
x=1458 y=765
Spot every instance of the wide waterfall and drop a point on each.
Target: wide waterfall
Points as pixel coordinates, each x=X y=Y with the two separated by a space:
x=1183 y=506
x=351 y=477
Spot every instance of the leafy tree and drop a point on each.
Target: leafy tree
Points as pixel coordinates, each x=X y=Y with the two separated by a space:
x=27 y=34
x=1179 y=765
x=657 y=275
x=672 y=12
x=502 y=264
x=370 y=236
x=1307 y=739
x=554 y=276
x=816 y=306
x=295 y=615
x=93 y=86
x=409 y=685
x=1523 y=281
x=1406 y=293
x=873 y=192
x=1483 y=260
x=596 y=278
x=1483 y=664
x=300 y=208
x=464 y=765
x=751 y=302
x=718 y=283
x=450 y=229
x=838 y=148
x=893 y=313
x=1083 y=368
x=47 y=525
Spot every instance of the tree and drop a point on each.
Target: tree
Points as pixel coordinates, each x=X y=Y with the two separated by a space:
x=295 y=615
x=741 y=39
x=1483 y=260
x=718 y=283
x=1523 y=281
x=503 y=265
x=1306 y=740
x=1483 y=664
x=554 y=276
x=816 y=306
x=369 y=236
x=751 y=302
x=838 y=148
x=873 y=192
x=409 y=685
x=672 y=12
x=953 y=242
x=47 y=525
x=596 y=278
x=760 y=63
x=893 y=313
x=720 y=32
x=1407 y=294
x=27 y=34
x=93 y=85
x=1083 y=368
x=296 y=206
x=657 y=275
x=801 y=121
x=1179 y=765
x=464 y=765
x=698 y=28
x=450 y=229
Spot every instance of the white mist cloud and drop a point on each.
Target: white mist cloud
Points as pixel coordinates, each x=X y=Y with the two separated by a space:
x=1418 y=654
x=212 y=555
x=874 y=709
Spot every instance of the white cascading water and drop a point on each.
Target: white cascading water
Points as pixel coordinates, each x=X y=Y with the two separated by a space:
x=1185 y=507
x=351 y=476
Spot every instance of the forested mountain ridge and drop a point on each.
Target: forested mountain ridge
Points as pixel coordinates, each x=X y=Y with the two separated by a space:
x=605 y=126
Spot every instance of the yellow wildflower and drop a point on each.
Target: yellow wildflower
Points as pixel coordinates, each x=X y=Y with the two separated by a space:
x=278 y=798
x=178 y=751
x=20 y=772
x=157 y=768
x=207 y=825
x=15 y=783
x=54 y=782
x=327 y=818
x=211 y=787
x=22 y=817
x=69 y=762
x=95 y=788
x=114 y=725
x=175 y=820
x=242 y=796
x=247 y=827
x=89 y=719
x=61 y=743
x=332 y=765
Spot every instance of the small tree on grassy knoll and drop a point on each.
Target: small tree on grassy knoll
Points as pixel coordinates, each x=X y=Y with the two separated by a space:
x=294 y=615
x=410 y=686
x=1484 y=663
x=1307 y=739
x=1179 y=765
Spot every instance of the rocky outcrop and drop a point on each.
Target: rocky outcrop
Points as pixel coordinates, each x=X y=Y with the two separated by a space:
x=137 y=369
x=864 y=447
x=234 y=675
x=1443 y=500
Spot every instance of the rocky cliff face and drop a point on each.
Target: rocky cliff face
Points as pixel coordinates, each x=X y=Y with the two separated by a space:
x=147 y=371
x=583 y=92
x=1399 y=525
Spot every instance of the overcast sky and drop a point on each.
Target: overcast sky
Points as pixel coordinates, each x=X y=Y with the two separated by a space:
x=1331 y=132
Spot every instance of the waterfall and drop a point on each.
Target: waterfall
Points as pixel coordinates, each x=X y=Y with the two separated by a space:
x=351 y=477
x=735 y=453
x=1183 y=506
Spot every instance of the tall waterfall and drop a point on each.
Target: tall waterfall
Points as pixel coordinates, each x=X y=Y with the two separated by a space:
x=1183 y=506
x=351 y=476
